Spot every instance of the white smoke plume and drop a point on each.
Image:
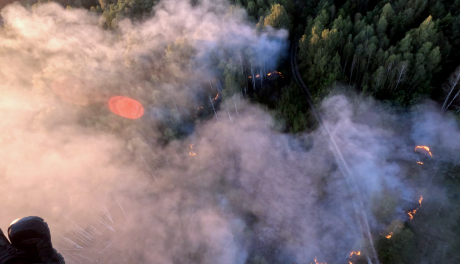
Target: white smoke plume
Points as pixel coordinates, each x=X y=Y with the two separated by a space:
x=234 y=191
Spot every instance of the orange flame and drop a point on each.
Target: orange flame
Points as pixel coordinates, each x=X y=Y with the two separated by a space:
x=389 y=235
x=427 y=149
x=269 y=74
x=355 y=253
x=192 y=154
x=257 y=76
x=250 y=77
x=412 y=213
x=419 y=162
x=216 y=96
x=316 y=262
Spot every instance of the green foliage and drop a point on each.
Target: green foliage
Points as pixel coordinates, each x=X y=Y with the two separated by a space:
x=278 y=18
x=136 y=9
x=252 y=8
x=319 y=58
x=384 y=53
x=234 y=80
x=399 y=249
x=291 y=110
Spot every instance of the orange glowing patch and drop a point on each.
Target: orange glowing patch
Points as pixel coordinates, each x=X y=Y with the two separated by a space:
x=412 y=213
x=425 y=148
x=126 y=107
x=316 y=262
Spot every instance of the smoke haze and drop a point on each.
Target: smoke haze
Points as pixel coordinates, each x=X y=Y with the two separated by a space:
x=231 y=191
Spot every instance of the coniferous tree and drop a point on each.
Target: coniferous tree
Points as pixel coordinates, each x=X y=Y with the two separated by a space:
x=278 y=18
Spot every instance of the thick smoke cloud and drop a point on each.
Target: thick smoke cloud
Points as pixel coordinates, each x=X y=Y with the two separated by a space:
x=231 y=191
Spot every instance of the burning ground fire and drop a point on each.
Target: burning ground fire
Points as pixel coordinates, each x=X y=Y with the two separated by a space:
x=355 y=253
x=412 y=213
x=192 y=154
x=419 y=162
x=427 y=149
x=276 y=72
x=273 y=73
x=316 y=262
x=391 y=233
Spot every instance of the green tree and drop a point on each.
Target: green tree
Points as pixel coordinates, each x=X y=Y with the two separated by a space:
x=261 y=4
x=382 y=26
x=437 y=10
x=426 y=32
x=278 y=18
x=388 y=12
x=292 y=109
x=398 y=249
x=378 y=78
x=252 y=8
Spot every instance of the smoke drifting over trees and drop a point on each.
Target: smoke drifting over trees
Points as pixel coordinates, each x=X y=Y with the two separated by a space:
x=172 y=188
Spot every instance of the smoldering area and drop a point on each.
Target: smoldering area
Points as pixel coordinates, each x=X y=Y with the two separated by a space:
x=231 y=191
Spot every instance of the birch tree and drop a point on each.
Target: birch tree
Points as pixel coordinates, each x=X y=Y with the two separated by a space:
x=401 y=72
x=379 y=78
x=451 y=86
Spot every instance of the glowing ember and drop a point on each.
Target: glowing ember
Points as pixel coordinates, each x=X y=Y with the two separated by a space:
x=427 y=149
x=276 y=72
x=192 y=154
x=250 y=77
x=216 y=96
x=257 y=76
x=269 y=74
x=356 y=253
x=419 y=162
x=191 y=146
x=389 y=235
x=412 y=213
x=126 y=107
x=316 y=262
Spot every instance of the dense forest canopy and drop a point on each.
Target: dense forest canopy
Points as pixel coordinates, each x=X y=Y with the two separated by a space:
x=230 y=60
x=397 y=51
